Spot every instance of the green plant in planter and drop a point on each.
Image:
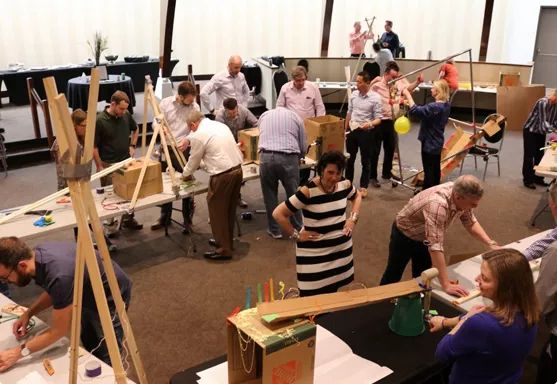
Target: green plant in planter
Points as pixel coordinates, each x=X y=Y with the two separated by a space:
x=98 y=45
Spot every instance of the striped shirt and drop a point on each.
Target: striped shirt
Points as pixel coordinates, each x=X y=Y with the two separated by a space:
x=326 y=264
x=538 y=248
x=543 y=118
x=365 y=107
x=281 y=130
x=427 y=216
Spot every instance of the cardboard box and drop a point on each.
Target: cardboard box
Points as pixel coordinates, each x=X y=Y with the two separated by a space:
x=125 y=179
x=259 y=353
x=327 y=131
x=249 y=139
x=516 y=103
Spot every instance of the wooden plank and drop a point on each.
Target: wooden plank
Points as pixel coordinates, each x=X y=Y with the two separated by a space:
x=89 y=142
x=68 y=131
x=471 y=295
x=144 y=125
x=279 y=310
x=156 y=130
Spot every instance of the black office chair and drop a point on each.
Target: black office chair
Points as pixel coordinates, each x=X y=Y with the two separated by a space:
x=279 y=79
x=485 y=152
x=3 y=160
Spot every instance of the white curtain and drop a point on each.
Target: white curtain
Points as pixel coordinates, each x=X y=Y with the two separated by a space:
x=55 y=32
x=444 y=27
x=207 y=33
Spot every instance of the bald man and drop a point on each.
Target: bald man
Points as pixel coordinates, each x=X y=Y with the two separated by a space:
x=230 y=83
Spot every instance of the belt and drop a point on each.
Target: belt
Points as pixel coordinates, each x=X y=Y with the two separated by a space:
x=239 y=166
x=279 y=152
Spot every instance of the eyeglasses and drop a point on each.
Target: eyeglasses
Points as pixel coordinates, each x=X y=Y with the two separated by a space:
x=4 y=279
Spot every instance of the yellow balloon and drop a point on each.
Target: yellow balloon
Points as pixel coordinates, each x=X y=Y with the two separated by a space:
x=402 y=125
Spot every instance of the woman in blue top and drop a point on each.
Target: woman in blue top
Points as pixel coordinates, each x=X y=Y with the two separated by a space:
x=434 y=116
x=490 y=343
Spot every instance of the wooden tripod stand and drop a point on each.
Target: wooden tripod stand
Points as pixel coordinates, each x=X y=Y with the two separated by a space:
x=160 y=127
x=77 y=171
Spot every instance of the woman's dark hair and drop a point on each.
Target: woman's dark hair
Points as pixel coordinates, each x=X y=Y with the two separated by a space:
x=303 y=63
x=331 y=157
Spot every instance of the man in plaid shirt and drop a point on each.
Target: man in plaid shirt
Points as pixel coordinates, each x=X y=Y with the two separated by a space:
x=419 y=230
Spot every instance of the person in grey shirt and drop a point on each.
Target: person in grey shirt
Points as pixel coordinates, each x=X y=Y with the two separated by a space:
x=382 y=56
x=235 y=116
x=282 y=142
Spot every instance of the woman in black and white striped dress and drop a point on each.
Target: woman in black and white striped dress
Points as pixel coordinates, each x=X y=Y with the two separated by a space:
x=324 y=245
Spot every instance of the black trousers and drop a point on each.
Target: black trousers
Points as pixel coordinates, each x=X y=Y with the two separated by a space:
x=547 y=365
x=359 y=139
x=187 y=203
x=357 y=55
x=532 y=155
x=385 y=135
x=402 y=249
x=432 y=169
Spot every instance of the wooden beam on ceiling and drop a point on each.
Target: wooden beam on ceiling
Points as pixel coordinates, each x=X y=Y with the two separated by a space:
x=326 y=28
x=486 y=29
x=168 y=9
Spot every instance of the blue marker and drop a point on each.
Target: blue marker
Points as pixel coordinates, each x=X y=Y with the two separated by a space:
x=248 y=298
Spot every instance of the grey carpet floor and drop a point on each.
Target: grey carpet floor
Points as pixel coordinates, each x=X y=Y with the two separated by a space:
x=180 y=301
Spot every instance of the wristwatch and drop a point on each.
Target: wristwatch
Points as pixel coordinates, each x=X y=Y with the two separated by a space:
x=24 y=350
x=295 y=235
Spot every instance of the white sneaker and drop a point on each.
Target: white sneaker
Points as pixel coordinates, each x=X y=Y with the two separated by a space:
x=274 y=236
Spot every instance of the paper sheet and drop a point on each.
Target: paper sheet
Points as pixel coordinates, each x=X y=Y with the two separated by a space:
x=334 y=364
x=32 y=378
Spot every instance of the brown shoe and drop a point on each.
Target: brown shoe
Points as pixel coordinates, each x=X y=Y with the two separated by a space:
x=375 y=183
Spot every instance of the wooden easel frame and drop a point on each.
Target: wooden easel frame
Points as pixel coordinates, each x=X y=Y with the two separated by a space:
x=85 y=209
x=160 y=127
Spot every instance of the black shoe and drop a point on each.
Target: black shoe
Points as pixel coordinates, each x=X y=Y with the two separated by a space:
x=187 y=229
x=542 y=183
x=242 y=203
x=530 y=185
x=159 y=223
x=213 y=243
x=391 y=177
x=132 y=224
x=214 y=255
x=375 y=183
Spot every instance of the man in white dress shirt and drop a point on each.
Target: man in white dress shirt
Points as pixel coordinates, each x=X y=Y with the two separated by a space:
x=213 y=143
x=225 y=84
x=176 y=110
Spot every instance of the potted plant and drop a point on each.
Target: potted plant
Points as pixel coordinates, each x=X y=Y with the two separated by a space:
x=98 y=45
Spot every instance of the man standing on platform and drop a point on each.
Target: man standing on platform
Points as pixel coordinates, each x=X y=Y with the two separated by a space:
x=357 y=40
x=52 y=267
x=363 y=116
x=176 y=110
x=301 y=96
x=382 y=57
x=113 y=143
x=418 y=232
x=390 y=95
x=389 y=39
x=235 y=116
x=282 y=142
x=213 y=143
x=225 y=84
x=542 y=120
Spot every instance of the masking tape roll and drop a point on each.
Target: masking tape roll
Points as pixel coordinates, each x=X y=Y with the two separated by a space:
x=92 y=369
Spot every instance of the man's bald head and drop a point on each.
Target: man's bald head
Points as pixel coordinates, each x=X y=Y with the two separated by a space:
x=234 y=65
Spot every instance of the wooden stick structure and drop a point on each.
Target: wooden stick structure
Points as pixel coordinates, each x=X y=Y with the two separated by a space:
x=76 y=162
x=471 y=295
x=160 y=127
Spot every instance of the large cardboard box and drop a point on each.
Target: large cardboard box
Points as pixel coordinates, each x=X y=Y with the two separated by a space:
x=327 y=132
x=249 y=140
x=266 y=354
x=516 y=103
x=125 y=179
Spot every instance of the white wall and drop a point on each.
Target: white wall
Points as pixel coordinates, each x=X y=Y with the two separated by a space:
x=513 y=30
x=55 y=32
x=208 y=32
x=425 y=25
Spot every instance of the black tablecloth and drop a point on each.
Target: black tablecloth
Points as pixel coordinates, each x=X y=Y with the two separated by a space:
x=366 y=331
x=77 y=91
x=16 y=85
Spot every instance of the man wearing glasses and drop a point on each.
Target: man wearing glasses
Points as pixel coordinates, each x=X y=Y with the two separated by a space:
x=52 y=267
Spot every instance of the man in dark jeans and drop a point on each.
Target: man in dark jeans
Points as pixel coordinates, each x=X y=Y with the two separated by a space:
x=52 y=267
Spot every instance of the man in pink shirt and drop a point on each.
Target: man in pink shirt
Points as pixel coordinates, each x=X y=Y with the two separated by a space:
x=301 y=96
x=357 y=40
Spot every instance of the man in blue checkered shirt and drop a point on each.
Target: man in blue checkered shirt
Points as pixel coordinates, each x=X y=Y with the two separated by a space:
x=542 y=120
x=537 y=249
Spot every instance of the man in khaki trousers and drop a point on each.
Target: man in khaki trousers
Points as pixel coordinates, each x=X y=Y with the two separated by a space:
x=213 y=143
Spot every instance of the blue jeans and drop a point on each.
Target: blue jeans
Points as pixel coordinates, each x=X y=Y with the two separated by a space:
x=277 y=167
x=92 y=332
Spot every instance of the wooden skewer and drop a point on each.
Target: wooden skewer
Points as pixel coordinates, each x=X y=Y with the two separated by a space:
x=472 y=295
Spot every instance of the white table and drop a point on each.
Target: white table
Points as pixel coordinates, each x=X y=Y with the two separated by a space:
x=58 y=355
x=549 y=160
x=466 y=271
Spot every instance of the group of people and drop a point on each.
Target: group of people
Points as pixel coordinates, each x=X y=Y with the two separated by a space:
x=315 y=215
x=388 y=40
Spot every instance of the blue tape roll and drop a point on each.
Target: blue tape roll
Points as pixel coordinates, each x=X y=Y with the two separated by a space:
x=92 y=369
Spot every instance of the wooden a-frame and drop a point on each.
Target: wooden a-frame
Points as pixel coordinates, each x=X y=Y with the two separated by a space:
x=85 y=210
